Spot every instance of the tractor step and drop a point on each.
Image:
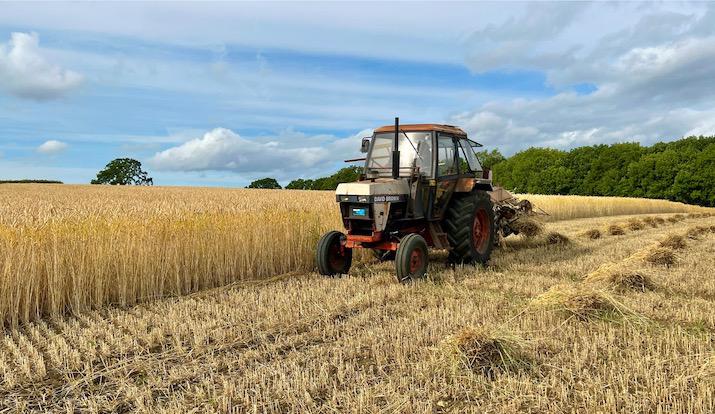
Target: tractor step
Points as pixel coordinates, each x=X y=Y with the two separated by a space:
x=439 y=237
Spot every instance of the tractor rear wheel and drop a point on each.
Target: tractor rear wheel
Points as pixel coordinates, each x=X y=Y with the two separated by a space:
x=469 y=223
x=411 y=258
x=331 y=256
x=383 y=255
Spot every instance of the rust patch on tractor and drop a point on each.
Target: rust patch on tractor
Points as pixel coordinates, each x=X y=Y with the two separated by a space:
x=464 y=185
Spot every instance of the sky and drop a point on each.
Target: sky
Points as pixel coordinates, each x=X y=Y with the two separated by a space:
x=219 y=94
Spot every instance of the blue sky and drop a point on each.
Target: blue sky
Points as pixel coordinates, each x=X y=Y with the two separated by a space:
x=222 y=93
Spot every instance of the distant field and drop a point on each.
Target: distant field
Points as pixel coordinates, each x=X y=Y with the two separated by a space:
x=71 y=248
x=573 y=207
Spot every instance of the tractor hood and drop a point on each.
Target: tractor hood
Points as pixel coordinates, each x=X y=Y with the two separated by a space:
x=378 y=187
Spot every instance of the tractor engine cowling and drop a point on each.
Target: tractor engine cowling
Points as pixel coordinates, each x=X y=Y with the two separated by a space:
x=365 y=206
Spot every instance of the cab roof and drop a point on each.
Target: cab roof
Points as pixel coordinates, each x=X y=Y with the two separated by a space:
x=450 y=129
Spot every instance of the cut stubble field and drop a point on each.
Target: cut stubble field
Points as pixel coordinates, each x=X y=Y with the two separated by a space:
x=574 y=323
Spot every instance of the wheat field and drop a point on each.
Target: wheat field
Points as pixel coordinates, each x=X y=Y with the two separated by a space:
x=67 y=249
x=574 y=207
x=568 y=324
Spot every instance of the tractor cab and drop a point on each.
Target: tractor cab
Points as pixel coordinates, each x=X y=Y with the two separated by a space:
x=433 y=160
x=421 y=184
x=416 y=144
x=431 y=163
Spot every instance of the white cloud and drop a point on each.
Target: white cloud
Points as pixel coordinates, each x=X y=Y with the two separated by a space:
x=387 y=30
x=289 y=155
x=52 y=147
x=653 y=81
x=25 y=72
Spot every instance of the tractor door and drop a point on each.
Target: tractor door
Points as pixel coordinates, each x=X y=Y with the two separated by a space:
x=446 y=173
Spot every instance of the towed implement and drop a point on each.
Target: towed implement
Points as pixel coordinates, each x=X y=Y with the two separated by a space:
x=422 y=187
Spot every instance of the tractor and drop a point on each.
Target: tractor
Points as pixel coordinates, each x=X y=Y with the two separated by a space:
x=422 y=187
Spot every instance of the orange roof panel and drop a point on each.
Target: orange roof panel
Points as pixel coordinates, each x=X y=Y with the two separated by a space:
x=450 y=129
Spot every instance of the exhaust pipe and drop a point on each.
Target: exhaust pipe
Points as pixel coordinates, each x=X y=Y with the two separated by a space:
x=396 y=152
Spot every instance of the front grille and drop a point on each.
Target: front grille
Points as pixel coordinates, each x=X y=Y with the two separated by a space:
x=361 y=227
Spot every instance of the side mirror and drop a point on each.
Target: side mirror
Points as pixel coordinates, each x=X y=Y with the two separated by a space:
x=365 y=146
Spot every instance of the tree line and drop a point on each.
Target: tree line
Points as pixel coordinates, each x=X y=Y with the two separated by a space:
x=682 y=170
x=344 y=175
x=29 y=181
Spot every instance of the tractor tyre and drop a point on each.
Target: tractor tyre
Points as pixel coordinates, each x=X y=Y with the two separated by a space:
x=383 y=255
x=469 y=223
x=411 y=258
x=331 y=256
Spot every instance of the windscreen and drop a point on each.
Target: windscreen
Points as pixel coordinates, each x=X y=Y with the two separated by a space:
x=471 y=157
x=415 y=154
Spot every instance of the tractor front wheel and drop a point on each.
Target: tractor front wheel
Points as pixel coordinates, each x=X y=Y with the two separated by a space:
x=411 y=258
x=332 y=257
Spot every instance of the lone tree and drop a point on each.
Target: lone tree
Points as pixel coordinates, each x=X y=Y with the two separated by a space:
x=270 y=183
x=123 y=171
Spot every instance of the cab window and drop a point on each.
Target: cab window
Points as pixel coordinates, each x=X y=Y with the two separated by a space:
x=415 y=153
x=467 y=159
x=446 y=157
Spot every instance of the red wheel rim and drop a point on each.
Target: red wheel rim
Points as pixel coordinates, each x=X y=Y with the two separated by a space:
x=416 y=260
x=336 y=256
x=480 y=231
